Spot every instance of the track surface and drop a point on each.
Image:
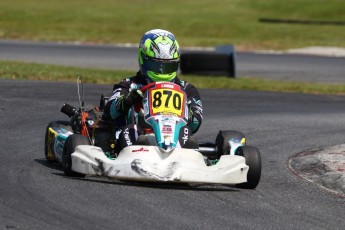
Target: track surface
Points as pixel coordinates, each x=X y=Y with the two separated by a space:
x=35 y=195
x=270 y=66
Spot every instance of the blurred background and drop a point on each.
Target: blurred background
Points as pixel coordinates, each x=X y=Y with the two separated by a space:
x=291 y=24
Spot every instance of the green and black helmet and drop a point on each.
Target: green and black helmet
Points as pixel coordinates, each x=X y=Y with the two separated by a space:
x=159 y=56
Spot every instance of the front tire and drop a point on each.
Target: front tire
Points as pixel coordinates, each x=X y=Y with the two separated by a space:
x=49 y=140
x=222 y=141
x=253 y=160
x=70 y=145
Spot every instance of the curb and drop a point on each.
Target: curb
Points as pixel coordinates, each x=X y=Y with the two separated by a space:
x=313 y=50
x=323 y=167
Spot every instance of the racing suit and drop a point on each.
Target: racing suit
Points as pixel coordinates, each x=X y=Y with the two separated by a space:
x=117 y=109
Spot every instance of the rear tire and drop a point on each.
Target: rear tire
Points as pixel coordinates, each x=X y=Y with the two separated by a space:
x=70 y=145
x=222 y=141
x=253 y=160
x=48 y=142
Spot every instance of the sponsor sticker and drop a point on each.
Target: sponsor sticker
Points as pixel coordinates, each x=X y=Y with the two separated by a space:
x=140 y=150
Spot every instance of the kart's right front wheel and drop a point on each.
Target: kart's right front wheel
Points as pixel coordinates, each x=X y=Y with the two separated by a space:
x=70 y=145
x=50 y=138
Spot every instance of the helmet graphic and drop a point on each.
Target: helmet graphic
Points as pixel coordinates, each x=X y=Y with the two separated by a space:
x=159 y=55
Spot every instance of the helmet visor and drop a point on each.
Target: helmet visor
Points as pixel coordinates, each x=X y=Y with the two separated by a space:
x=161 y=66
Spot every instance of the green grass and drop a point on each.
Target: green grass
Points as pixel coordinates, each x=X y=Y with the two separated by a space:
x=31 y=71
x=18 y=70
x=194 y=22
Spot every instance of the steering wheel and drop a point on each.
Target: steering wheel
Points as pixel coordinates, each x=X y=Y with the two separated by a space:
x=144 y=88
x=139 y=106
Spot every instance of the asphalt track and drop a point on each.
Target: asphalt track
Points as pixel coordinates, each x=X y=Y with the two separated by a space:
x=36 y=195
x=290 y=67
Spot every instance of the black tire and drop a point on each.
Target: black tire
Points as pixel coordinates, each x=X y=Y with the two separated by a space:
x=253 y=160
x=207 y=63
x=192 y=143
x=70 y=145
x=47 y=146
x=222 y=141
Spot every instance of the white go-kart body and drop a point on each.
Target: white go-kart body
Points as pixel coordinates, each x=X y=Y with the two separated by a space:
x=149 y=163
x=164 y=154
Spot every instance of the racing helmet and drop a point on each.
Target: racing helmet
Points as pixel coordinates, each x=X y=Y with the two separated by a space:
x=159 y=56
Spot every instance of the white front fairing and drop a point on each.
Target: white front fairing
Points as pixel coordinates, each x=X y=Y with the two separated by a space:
x=149 y=163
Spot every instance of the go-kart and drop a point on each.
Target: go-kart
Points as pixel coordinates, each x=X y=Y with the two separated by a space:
x=164 y=151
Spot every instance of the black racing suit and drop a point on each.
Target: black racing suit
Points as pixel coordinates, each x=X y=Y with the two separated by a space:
x=116 y=109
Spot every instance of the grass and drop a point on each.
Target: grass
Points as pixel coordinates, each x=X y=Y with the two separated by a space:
x=29 y=71
x=194 y=22
x=32 y=71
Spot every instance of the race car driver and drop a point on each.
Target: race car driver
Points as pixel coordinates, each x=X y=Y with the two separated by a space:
x=159 y=57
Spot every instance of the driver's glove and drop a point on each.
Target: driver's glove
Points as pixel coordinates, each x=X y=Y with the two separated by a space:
x=134 y=97
x=194 y=116
x=190 y=115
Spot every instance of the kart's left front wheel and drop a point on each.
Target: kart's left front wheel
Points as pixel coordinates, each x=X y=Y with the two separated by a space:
x=253 y=159
x=70 y=145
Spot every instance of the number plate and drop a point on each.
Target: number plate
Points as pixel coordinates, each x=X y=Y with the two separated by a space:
x=167 y=100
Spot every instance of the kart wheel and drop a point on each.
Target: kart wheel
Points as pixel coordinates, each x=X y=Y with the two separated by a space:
x=49 y=141
x=71 y=143
x=222 y=141
x=253 y=160
x=191 y=143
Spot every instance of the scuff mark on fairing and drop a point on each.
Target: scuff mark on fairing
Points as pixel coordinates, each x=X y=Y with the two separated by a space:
x=101 y=170
x=167 y=174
